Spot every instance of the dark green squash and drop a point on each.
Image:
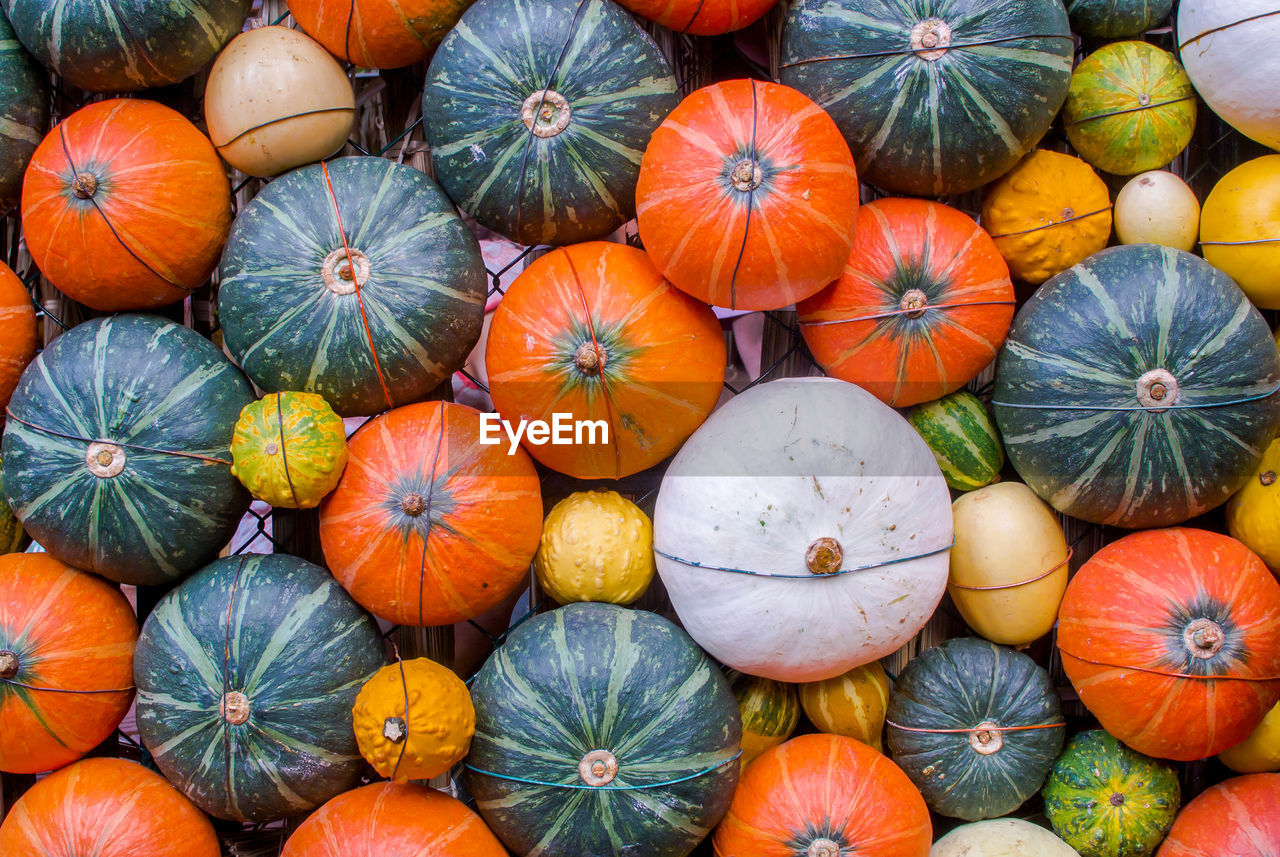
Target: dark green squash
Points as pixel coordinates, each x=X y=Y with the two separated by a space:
x=246 y=676
x=971 y=685
x=12 y=536
x=1116 y=19
x=24 y=111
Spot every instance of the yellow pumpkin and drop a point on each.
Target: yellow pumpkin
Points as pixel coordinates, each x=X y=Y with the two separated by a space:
x=851 y=705
x=1050 y=212
x=770 y=711
x=435 y=733
x=1260 y=751
x=1240 y=228
x=1157 y=207
x=1006 y=535
x=289 y=449
x=1253 y=512
x=596 y=546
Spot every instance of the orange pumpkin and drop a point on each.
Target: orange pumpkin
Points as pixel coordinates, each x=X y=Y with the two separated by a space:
x=67 y=630
x=1239 y=817
x=748 y=196
x=594 y=331
x=126 y=206
x=1172 y=640
x=428 y=525
x=824 y=796
x=923 y=305
x=393 y=820
x=701 y=17
x=379 y=33
x=17 y=331
x=107 y=808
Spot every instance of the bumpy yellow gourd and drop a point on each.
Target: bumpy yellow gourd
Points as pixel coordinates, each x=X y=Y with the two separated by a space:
x=431 y=738
x=289 y=449
x=852 y=705
x=1253 y=512
x=596 y=546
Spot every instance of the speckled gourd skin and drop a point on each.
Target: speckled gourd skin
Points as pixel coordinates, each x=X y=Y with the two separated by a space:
x=596 y=546
x=24 y=111
x=289 y=449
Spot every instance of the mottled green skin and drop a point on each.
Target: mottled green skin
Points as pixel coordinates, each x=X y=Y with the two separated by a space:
x=929 y=128
x=300 y=650
x=1086 y=337
x=423 y=301
x=24 y=112
x=963 y=438
x=125 y=45
x=595 y=676
x=145 y=381
x=579 y=184
x=958 y=685
x=1107 y=800
x=1116 y=19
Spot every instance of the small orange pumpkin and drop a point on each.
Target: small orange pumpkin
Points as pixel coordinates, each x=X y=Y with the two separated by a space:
x=701 y=17
x=17 y=332
x=379 y=33
x=1239 y=817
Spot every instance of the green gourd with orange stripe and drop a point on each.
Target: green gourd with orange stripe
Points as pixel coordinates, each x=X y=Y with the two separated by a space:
x=289 y=449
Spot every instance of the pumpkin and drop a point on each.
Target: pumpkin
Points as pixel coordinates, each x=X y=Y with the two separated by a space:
x=1240 y=817
x=975 y=726
x=602 y=730
x=852 y=704
x=413 y=720
x=1253 y=512
x=1116 y=19
x=24 y=107
x=66 y=662
x=1130 y=108
x=933 y=98
x=393 y=820
x=1260 y=751
x=1163 y=422
x=770 y=712
x=1048 y=213
x=922 y=306
x=698 y=17
x=1009 y=563
x=960 y=431
x=126 y=205
x=537 y=112
x=289 y=449
x=357 y=281
x=19 y=336
x=428 y=525
x=844 y=545
x=595 y=546
x=379 y=33
x=1001 y=837
x=594 y=332
x=116 y=452
x=747 y=196
x=1157 y=207
x=1240 y=230
x=12 y=536
x=246 y=675
x=1106 y=800
x=275 y=100
x=108 y=808
x=824 y=796
x=1171 y=638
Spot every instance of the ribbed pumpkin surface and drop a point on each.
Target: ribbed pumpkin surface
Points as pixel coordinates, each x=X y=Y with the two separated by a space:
x=699 y=17
x=963 y=436
x=852 y=704
x=1116 y=19
x=770 y=711
x=24 y=109
x=17 y=330
x=379 y=33
x=289 y=449
x=1240 y=817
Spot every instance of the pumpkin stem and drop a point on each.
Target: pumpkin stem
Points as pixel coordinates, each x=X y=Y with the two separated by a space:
x=824 y=556
x=823 y=848
x=1157 y=390
x=589 y=358
x=395 y=730
x=598 y=768
x=986 y=738
x=746 y=175
x=338 y=274
x=1267 y=478
x=8 y=664
x=234 y=708
x=104 y=460
x=546 y=113
x=84 y=185
x=914 y=302
x=1117 y=799
x=413 y=505
x=1204 y=638
x=930 y=39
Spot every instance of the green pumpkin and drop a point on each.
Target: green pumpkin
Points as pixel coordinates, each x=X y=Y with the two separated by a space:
x=1116 y=19
x=963 y=438
x=601 y=698
x=553 y=168
x=246 y=675
x=24 y=109
x=770 y=712
x=1107 y=800
x=11 y=533
x=969 y=684
x=1135 y=329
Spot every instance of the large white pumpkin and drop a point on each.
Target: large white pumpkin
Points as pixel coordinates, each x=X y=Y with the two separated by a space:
x=1229 y=50
x=790 y=477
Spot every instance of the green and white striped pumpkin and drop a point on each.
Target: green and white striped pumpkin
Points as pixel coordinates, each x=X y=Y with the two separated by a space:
x=24 y=111
x=117 y=454
x=1137 y=389
x=246 y=675
x=963 y=438
x=603 y=701
x=537 y=113
x=292 y=314
x=770 y=711
x=1116 y=19
x=934 y=96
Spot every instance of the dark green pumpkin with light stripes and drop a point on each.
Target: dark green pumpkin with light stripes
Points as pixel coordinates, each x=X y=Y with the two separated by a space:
x=24 y=112
x=593 y=685
x=963 y=438
x=1116 y=19
x=246 y=675
x=553 y=168
x=158 y=500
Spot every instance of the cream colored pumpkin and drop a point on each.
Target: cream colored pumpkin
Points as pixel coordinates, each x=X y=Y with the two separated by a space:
x=852 y=705
x=1157 y=207
x=1001 y=837
x=1260 y=751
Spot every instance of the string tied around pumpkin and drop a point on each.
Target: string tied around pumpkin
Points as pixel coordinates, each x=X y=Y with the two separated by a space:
x=284 y=455
x=584 y=363
x=824 y=576
x=1141 y=107
x=909 y=311
x=1026 y=582
x=108 y=448
x=928 y=49
x=607 y=786
x=1190 y=406
x=746 y=184
x=1224 y=27
x=1239 y=243
x=1171 y=673
x=403 y=739
x=1069 y=216
x=10 y=665
x=981 y=727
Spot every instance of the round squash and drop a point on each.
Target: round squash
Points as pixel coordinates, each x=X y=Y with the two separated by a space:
x=700 y=18
x=19 y=335
x=108 y=808
x=1253 y=512
x=66 y=662
x=429 y=526
x=1172 y=640
x=289 y=449
x=1049 y=213
x=295 y=314
x=275 y=100
x=824 y=796
x=922 y=306
x=595 y=546
x=1130 y=108
x=12 y=536
x=1001 y=837
x=1116 y=19
x=852 y=704
x=962 y=434
x=24 y=107
x=770 y=712
x=116 y=451
x=536 y=112
x=1106 y=800
x=379 y=33
x=1164 y=422
x=1240 y=817
x=1157 y=207
x=594 y=332
x=1009 y=563
x=747 y=197
x=1240 y=228
x=246 y=675
x=835 y=509
x=1259 y=752
x=975 y=726
x=126 y=205
x=598 y=698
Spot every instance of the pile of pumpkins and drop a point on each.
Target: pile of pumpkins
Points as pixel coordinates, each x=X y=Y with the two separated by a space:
x=804 y=529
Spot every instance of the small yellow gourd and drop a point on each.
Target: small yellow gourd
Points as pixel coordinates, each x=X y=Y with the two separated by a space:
x=852 y=705
x=596 y=546
x=1259 y=752
x=289 y=449
x=1253 y=512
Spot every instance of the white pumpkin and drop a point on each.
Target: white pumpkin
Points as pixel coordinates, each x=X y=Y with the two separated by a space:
x=802 y=477
x=1001 y=837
